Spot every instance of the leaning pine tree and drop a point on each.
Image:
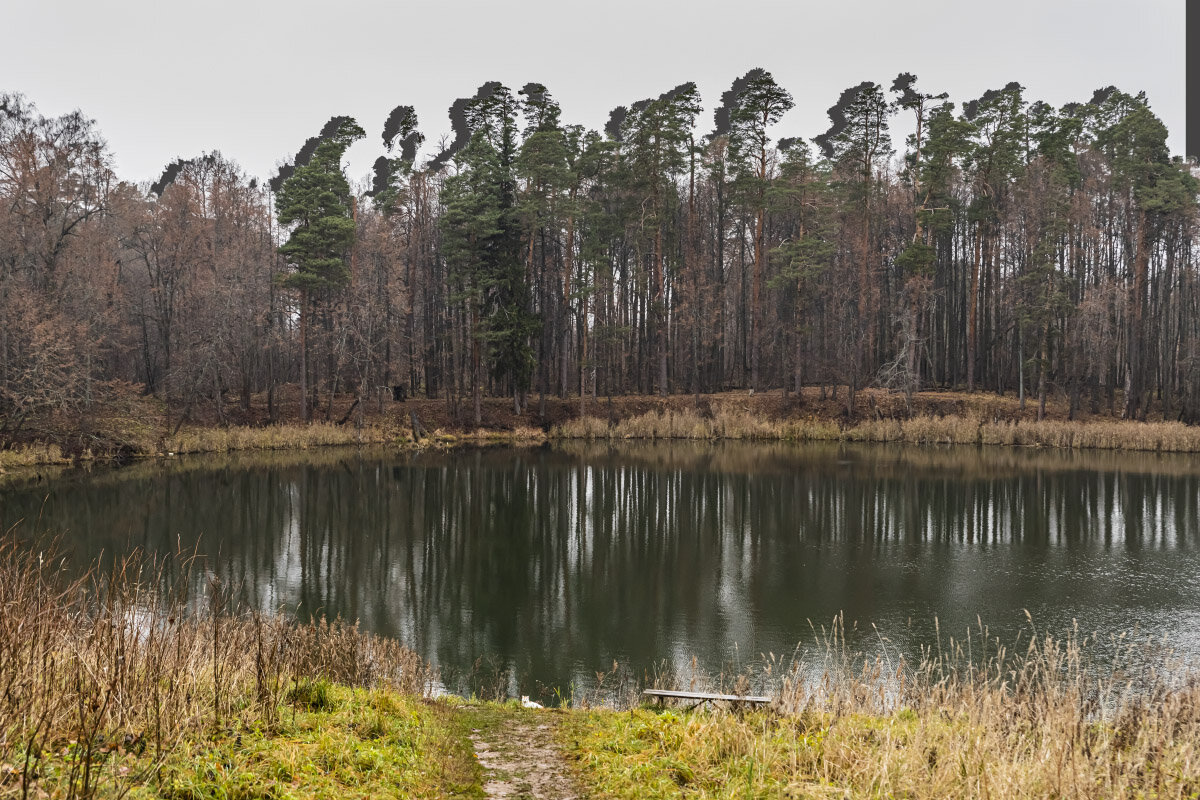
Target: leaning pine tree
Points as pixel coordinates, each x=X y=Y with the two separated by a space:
x=317 y=200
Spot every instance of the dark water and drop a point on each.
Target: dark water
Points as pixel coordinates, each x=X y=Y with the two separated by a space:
x=553 y=563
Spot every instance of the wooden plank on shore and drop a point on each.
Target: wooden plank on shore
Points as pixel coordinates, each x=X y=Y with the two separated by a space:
x=702 y=696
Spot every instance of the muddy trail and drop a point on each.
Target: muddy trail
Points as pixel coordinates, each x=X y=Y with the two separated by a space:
x=521 y=757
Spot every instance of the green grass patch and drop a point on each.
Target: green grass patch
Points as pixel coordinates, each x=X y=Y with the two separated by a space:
x=668 y=754
x=358 y=744
x=949 y=749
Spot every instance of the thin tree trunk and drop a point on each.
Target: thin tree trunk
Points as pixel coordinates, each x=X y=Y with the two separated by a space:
x=568 y=271
x=660 y=307
x=973 y=308
x=756 y=301
x=1134 y=378
x=476 y=399
x=1043 y=367
x=304 y=323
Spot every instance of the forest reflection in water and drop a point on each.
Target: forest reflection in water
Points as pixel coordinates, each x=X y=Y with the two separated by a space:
x=556 y=561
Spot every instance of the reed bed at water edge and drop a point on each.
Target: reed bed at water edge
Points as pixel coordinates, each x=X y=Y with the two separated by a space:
x=275 y=437
x=971 y=718
x=111 y=663
x=734 y=423
x=144 y=679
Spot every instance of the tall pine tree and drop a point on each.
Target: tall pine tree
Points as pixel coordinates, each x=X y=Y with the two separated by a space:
x=758 y=106
x=482 y=242
x=316 y=199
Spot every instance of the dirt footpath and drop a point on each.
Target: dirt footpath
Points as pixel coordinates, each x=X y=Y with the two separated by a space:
x=521 y=759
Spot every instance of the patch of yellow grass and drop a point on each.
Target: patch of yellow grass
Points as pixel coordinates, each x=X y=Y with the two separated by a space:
x=725 y=422
x=31 y=455
x=275 y=437
x=1044 y=723
x=729 y=422
x=518 y=435
x=1104 y=434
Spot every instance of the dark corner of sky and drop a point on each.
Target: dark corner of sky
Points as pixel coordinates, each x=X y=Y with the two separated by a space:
x=1191 y=127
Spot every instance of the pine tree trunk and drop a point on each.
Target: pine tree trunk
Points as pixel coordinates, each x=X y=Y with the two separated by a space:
x=565 y=344
x=756 y=303
x=912 y=378
x=304 y=323
x=866 y=289
x=583 y=357
x=1134 y=378
x=660 y=308
x=476 y=399
x=1043 y=368
x=973 y=308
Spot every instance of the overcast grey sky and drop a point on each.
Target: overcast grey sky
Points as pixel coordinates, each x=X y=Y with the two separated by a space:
x=255 y=78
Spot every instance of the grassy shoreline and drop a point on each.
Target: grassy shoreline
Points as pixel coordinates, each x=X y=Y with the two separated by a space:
x=947 y=430
x=938 y=418
x=114 y=688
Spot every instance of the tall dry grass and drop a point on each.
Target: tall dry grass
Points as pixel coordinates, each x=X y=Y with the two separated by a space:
x=275 y=437
x=730 y=422
x=971 y=718
x=1050 y=718
x=724 y=422
x=112 y=662
x=31 y=455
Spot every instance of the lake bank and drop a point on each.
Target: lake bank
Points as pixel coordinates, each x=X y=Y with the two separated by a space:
x=934 y=418
x=547 y=558
x=126 y=696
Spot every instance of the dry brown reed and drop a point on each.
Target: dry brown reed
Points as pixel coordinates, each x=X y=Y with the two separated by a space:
x=275 y=437
x=972 y=718
x=31 y=455
x=110 y=661
x=731 y=422
x=724 y=422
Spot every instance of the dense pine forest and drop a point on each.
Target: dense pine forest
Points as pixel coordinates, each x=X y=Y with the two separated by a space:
x=1006 y=246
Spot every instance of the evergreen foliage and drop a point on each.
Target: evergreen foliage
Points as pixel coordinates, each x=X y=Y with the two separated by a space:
x=317 y=200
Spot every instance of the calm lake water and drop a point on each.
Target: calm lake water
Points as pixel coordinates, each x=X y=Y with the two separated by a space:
x=554 y=563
